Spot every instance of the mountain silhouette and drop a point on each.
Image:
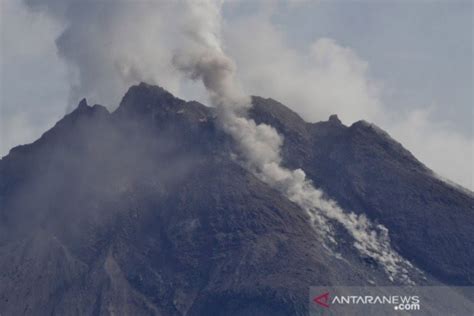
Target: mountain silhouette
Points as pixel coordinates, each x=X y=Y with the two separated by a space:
x=146 y=210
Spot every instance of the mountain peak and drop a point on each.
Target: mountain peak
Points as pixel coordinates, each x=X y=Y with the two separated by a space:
x=334 y=119
x=84 y=107
x=153 y=204
x=83 y=104
x=276 y=114
x=144 y=88
x=145 y=98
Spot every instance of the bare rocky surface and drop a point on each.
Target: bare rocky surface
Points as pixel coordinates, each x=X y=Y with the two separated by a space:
x=143 y=211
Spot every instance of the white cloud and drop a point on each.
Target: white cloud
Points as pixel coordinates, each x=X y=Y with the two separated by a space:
x=32 y=90
x=324 y=80
x=16 y=130
x=435 y=143
x=110 y=46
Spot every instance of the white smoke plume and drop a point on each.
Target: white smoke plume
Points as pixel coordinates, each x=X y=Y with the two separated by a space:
x=260 y=143
x=186 y=34
x=110 y=45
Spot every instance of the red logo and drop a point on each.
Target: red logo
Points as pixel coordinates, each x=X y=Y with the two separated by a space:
x=322 y=300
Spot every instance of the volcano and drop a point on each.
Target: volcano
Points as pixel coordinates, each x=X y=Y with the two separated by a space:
x=146 y=210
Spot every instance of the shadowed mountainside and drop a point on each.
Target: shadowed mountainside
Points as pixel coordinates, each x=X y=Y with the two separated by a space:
x=144 y=211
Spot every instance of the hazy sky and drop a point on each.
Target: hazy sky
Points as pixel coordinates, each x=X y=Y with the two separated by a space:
x=405 y=65
x=422 y=51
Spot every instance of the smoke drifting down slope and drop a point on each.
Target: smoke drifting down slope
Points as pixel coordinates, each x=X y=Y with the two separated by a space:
x=260 y=144
x=198 y=53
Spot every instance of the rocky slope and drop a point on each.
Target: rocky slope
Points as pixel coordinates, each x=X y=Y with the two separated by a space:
x=144 y=211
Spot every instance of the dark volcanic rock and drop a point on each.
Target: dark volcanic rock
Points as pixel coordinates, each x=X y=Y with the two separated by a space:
x=143 y=211
x=366 y=171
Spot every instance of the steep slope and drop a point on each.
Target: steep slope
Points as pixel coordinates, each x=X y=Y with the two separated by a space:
x=366 y=171
x=144 y=211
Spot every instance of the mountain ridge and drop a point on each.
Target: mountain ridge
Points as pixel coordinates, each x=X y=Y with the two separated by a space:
x=148 y=199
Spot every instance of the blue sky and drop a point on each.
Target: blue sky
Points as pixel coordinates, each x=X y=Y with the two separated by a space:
x=405 y=65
